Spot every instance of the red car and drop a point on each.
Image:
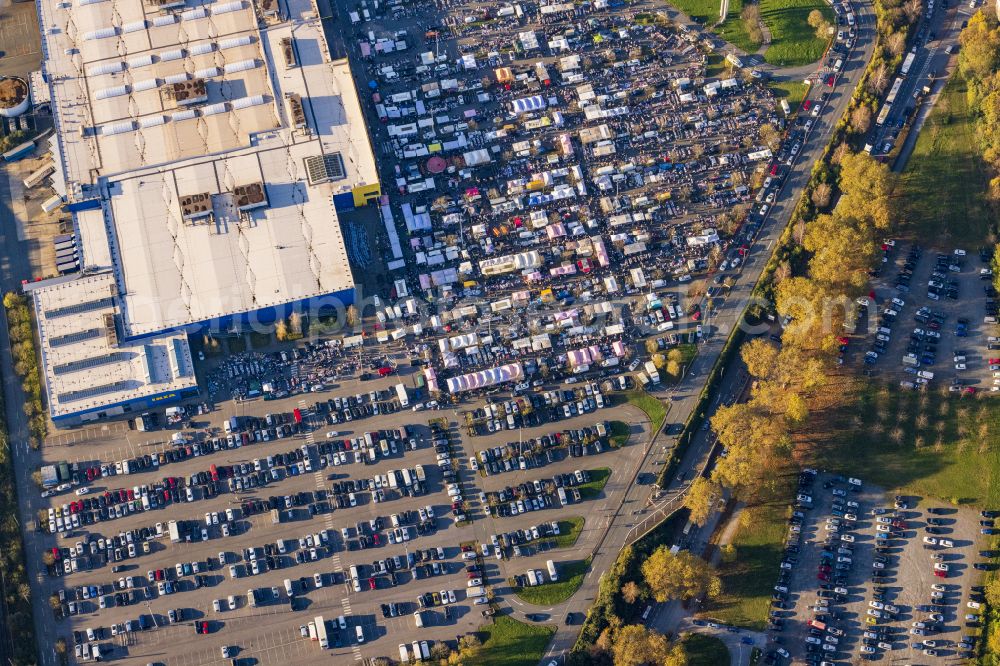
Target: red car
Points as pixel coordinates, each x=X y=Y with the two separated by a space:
x=940 y=574
x=995 y=361
x=371 y=583
x=202 y=627
x=56 y=553
x=831 y=79
x=376 y=539
x=969 y=390
x=825 y=577
x=806 y=105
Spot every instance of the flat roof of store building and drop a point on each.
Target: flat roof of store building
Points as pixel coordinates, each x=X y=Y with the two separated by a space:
x=216 y=136
x=85 y=365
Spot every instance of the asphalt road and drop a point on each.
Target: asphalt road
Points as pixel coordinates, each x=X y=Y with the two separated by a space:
x=930 y=65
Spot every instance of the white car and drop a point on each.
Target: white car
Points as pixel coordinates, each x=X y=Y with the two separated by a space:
x=930 y=541
x=946 y=543
x=82 y=490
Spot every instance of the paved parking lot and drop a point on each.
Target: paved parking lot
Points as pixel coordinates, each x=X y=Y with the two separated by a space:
x=937 y=316
x=281 y=640
x=862 y=589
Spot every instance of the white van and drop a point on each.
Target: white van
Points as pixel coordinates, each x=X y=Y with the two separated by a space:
x=418 y=617
x=288 y=587
x=360 y=633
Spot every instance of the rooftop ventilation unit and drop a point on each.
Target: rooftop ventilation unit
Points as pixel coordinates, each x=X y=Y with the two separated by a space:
x=250 y=196
x=164 y=4
x=268 y=10
x=194 y=206
x=185 y=93
x=295 y=110
x=324 y=168
x=288 y=51
x=110 y=330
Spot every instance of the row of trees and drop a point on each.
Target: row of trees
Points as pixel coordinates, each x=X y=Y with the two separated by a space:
x=835 y=252
x=16 y=589
x=979 y=65
x=22 y=345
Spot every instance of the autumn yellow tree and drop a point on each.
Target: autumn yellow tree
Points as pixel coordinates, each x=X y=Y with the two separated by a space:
x=700 y=498
x=760 y=357
x=681 y=576
x=635 y=645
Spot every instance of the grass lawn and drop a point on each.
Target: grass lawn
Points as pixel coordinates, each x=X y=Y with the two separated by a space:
x=704 y=650
x=793 y=40
x=618 y=433
x=734 y=31
x=508 y=642
x=945 y=181
x=927 y=443
x=598 y=479
x=569 y=532
x=748 y=577
x=792 y=92
x=651 y=405
x=570 y=579
x=706 y=12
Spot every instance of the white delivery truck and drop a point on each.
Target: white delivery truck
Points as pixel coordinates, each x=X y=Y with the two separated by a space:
x=552 y=570
x=404 y=399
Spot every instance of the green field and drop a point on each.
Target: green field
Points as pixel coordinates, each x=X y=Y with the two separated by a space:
x=651 y=405
x=733 y=30
x=926 y=443
x=945 y=181
x=706 y=12
x=569 y=532
x=508 y=642
x=792 y=92
x=748 y=577
x=598 y=479
x=704 y=650
x=571 y=576
x=793 y=40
